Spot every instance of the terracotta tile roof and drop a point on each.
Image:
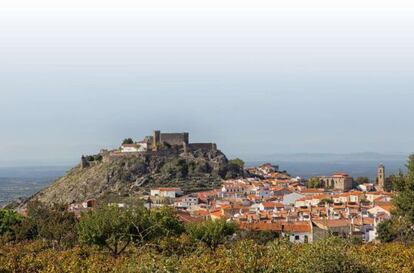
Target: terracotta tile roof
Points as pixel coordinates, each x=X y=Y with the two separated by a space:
x=332 y=223
x=169 y=189
x=365 y=221
x=297 y=227
x=300 y=226
x=273 y=205
x=386 y=206
x=262 y=226
x=310 y=190
x=201 y=212
x=351 y=193
x=340 y=174
x=216 y=214
x=187 y=218
x=380 y=193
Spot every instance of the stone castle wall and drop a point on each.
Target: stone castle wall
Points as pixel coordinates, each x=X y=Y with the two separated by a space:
x=202 y=146
x=174 y=139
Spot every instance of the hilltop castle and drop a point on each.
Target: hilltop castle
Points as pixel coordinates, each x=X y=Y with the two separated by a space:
x=167 y=141
x=159 y=144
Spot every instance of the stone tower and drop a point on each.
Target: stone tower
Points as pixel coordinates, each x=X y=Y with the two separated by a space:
x=381 y=177
x=156 y=139
x=84 y=163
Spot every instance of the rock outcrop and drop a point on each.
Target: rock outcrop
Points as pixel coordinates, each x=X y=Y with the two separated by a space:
x=134 y=174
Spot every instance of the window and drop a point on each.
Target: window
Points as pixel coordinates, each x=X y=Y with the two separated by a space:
x=306 y=238
x=297 y=237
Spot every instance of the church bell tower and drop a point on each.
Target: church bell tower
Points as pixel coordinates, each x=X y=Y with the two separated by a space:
x=381 y=177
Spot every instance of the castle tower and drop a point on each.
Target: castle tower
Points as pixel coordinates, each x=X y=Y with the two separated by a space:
x=381 y=177
x=84 y=163
x=185 y=147
x=156 y=139
x=186 y=138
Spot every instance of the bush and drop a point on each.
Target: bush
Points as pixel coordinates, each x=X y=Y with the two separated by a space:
x=177 y=168
x=212 y=233
x=52 y=223
x=9 y=221
x=329 y=256
x=116 y=228
x=127 y=141
x=238 y=162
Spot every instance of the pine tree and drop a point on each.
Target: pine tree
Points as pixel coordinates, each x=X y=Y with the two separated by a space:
x=404 y=201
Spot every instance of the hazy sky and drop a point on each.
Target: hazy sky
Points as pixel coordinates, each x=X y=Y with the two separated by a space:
x=257 y=79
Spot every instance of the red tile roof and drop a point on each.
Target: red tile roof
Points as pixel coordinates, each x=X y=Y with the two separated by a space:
x=169 y=189
x=299 y=226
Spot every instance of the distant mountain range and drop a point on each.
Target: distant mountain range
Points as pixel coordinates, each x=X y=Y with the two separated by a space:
x=33 y=172
x=315 y=157
x=311 y=164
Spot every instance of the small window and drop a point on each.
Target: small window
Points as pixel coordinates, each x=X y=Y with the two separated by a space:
x=296 y=237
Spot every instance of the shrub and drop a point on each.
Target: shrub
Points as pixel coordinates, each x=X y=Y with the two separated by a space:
x=115 y=228
x=127 y=141
x=329 y=256
x=212 y=233
x=53 y=223
x=9 y=221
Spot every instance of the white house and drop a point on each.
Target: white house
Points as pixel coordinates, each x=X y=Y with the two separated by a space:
x=167 y=192
x=130 y=148
x=134 y=148
x=290 y=199
x=298 y=232
x=270 y=206
x=143 y=146
x=355 y=196
x=186 y=202
x=366 y=187
x=385 y=208
x=232 y=189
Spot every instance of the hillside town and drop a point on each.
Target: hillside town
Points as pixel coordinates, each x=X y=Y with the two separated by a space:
x=273 y=201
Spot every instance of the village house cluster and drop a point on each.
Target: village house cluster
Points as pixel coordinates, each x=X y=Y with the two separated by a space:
x=275 y=202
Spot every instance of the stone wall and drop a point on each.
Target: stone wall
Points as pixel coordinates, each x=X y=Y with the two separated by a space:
x=339 y=183
x=174 y=139
x=202 y=146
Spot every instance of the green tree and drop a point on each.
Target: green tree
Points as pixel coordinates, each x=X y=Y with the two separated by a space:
x=9 y=221
x=328 y=256
x=386 y=231
x=362 y=180
x=400 y=226
x=112 y=227
x=326 y=201
x=395 y=182
x=404 y=201
x=53 y=223
x=238 y=162
x=212 y=233
x=128 y=141
x=164 y=222
x=314 y=182
x=116 y=228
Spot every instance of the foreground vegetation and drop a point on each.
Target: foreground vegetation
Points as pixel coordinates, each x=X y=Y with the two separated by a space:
x=111 y=239
x=180 y=254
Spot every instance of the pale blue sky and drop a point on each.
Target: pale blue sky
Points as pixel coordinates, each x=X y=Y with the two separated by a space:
x=256 y=81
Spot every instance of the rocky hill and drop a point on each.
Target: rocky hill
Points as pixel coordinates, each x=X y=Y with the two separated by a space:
x=134 y=174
